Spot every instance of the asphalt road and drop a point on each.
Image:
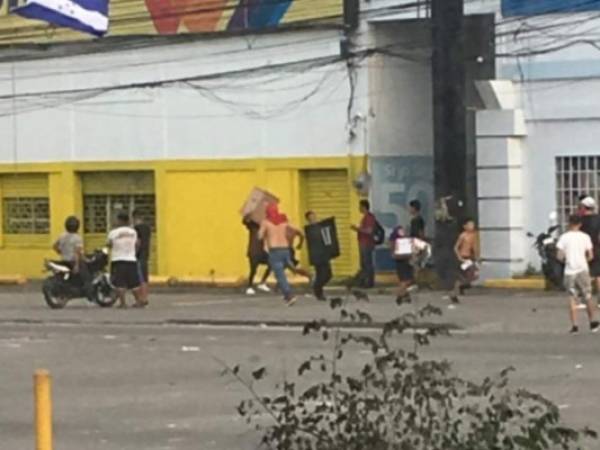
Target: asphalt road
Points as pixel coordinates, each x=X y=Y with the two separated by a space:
x=151 y=379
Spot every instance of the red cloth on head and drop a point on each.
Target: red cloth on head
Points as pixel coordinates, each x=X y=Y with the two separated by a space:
x=274 y=216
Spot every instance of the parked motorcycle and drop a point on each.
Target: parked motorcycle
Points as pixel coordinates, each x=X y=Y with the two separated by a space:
x=62 y=285
x=545 y=244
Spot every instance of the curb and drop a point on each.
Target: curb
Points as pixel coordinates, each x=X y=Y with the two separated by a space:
x=516 y=283
x=13 y=280
x=222 y=323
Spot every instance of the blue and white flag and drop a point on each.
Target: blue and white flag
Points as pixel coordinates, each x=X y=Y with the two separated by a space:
x=89 y=16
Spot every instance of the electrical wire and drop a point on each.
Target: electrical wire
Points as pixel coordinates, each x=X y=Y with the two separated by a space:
x=324 y=61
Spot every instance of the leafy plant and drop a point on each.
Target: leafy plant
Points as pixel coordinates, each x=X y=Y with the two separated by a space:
x=397 y=401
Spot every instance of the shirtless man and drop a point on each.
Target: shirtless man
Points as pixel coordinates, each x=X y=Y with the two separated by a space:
x=467 y=250
x=274 y=230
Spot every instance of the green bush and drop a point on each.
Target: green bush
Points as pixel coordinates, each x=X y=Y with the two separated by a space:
x=398 y=401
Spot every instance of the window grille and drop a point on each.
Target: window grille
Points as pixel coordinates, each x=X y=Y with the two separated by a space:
x=100 y=210
x=26 y=215
x=575 y=176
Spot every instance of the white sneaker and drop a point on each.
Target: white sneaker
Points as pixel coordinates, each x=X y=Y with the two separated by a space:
x=250 y=291
x=263 y=287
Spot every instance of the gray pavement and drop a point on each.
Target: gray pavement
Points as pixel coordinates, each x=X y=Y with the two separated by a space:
x=149 y=379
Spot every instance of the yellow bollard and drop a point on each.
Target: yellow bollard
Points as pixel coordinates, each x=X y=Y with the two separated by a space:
x=43 y=410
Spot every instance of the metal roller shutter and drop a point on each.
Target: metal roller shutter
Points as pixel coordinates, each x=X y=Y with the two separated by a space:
x=326 y=193
x=117 y=183
x=25 y=185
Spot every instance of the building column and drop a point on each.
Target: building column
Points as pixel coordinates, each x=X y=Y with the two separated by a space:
x=65 y=199
x=160 y=193
x=501 y=136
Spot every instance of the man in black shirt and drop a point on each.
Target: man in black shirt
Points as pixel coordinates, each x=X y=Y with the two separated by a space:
x=591 y=226
x=320 y=257
x=144 y=234
x=417 y=224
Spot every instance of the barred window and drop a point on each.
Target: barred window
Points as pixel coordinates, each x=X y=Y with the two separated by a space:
x=26 y=215
x=100 y=210
x=575 y=176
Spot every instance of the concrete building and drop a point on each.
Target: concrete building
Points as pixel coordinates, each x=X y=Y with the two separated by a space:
x=181 y=129
x=182 y=125
x=532 y=125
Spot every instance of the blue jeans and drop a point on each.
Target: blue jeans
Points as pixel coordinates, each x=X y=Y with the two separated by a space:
x=279 y=259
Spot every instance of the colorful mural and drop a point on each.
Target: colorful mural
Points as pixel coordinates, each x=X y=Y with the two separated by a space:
x=169 y=17
x=396 y=181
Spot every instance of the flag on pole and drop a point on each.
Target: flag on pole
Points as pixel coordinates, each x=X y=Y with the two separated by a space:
x=88 y=16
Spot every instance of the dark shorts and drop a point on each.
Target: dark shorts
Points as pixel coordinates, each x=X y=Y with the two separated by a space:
x=125 y=274
x=260 y=258
x=595 y=268
x=143 y=271
x=404 y=270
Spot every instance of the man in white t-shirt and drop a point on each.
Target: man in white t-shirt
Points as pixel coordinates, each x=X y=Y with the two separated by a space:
x=575 y=248
x=123 y=242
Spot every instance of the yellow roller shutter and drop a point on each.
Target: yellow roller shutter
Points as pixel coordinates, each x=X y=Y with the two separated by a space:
x=25 y=185
x=118 y=183
x=326 y=193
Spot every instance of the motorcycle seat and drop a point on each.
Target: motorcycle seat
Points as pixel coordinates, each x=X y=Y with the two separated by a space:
x=57 y=267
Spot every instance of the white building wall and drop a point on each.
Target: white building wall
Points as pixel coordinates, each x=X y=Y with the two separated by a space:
x=289 y=111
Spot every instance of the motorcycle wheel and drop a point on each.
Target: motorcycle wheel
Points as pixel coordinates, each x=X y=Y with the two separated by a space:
x=52 y=300
x=105 y=295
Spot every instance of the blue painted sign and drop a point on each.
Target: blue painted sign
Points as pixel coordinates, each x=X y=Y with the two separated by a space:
x=396 y=181
x=535 y=7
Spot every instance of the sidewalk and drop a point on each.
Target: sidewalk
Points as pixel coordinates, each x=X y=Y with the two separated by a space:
x=483 y=311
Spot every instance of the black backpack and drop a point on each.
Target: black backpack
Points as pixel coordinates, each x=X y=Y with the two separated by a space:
x=378 y=233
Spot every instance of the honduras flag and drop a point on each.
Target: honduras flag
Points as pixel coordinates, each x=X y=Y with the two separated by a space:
x=89 y=16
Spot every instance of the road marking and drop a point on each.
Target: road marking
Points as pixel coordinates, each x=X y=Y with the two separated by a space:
x=224 y=327
x=191 y=348
x=204 y=303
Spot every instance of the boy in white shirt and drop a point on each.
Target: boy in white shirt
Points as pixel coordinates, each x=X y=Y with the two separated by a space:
x=123 y=243
x=575 y=248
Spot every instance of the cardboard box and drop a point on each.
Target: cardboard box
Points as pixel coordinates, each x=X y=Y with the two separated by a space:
x=255 y=205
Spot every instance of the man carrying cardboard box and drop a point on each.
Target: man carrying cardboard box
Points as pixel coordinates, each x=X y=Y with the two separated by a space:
x=255 y=206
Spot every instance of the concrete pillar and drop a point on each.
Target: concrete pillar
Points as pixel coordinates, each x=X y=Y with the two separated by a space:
x=500 y=145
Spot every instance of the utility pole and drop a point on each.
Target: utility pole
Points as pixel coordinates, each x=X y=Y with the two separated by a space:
x=448 y=67
x=449 y=121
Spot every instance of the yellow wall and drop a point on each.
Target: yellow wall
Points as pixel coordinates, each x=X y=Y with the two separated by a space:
x=199 y=231
x=203 y=230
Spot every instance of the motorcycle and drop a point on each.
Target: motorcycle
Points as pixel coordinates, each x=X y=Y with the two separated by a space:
x=62 y=285
x=545 y=244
